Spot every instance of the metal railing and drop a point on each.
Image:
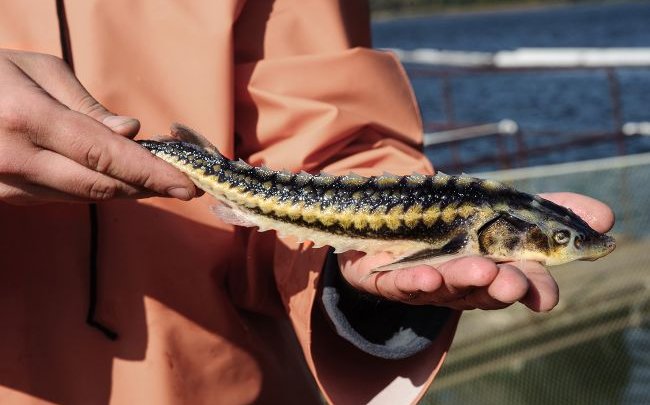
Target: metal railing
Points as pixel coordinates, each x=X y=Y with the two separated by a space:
x=451 y=134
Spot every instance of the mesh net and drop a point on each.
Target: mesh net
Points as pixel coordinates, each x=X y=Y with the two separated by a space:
x=594 y=347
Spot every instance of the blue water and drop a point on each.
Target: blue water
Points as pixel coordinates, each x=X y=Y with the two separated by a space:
x=550 y=106
x=607 y=25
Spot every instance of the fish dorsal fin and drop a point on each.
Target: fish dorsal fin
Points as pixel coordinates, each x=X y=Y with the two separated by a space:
x=186 y=134
x=241 y=164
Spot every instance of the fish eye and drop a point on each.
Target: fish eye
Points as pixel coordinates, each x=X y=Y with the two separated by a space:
x=562 y=237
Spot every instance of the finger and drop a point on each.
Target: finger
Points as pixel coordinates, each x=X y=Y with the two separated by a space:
x=543 y=292
x=403 y=284
x=54 y=76
x=28 y=194
x=417 y=282
x=356 y=266
x=447 y=285
x=411 y=285
x=44 y=175
x=509 y=286
x=21 y=193
x=58 y=173
x=94 y=146
x=463 y=275
x=598 y=215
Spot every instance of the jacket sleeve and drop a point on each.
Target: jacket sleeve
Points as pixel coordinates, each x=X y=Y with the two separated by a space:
x=310 y=95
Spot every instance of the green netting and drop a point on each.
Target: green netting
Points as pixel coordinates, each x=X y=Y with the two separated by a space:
x=594 y=348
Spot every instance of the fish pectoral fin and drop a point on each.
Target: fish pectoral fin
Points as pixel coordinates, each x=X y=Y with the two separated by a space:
x=231 y=216
x=432 y=260
x=430 y=256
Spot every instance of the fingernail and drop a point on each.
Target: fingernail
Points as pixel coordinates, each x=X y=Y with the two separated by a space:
x=179 y=192
x=114 y=122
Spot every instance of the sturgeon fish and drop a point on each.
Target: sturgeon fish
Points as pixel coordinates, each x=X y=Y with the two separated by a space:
x=420 y=219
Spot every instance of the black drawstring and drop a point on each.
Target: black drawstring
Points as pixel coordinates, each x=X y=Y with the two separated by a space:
x=66 y=51
x=92 y=265
x=64 y=34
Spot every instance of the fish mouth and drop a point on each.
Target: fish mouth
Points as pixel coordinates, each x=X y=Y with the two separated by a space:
x=599 y=250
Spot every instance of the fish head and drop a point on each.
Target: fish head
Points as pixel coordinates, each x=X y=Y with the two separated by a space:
x=569 y=242
x=549 y=234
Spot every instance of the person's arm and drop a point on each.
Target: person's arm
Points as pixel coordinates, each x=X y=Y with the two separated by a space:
x=57 y=143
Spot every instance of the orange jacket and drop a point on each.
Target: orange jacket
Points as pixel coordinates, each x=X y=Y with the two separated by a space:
x=207 y=314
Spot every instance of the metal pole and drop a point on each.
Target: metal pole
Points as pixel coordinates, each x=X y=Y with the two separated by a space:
x=617 y=111
x=448 y=100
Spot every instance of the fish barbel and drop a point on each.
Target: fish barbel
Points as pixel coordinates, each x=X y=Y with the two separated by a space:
x=419 y=219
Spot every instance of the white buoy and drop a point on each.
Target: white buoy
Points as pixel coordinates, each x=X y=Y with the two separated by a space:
x=636 y=128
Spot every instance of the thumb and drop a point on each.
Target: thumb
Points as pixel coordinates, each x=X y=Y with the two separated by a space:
x=55 y=77
x=120 y=124
x=123 y=125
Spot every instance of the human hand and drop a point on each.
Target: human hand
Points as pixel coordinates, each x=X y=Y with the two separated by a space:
x=472 y=282
x=57 y=143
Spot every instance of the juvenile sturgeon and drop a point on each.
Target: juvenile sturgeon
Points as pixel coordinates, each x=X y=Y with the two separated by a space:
x=419 y=219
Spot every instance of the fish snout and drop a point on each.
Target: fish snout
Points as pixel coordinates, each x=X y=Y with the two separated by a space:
x=599 y=248
x=610 y=244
